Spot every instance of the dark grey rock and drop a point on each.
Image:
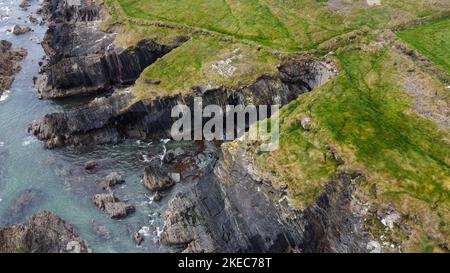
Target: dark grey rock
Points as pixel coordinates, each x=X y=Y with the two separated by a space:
x=18 y=30
x=109 y=203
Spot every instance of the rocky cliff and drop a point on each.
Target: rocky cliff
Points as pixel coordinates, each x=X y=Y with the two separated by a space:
x=10 y=59
x=234 y=209
x=82 y=58
x=42 y=233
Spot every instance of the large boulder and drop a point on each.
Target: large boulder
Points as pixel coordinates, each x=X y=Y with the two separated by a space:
x=9 y=63
x=18 y=30
x=155 y=179
x=42 y=233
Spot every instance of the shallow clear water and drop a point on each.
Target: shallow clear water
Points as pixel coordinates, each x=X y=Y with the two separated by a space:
x=64 y=187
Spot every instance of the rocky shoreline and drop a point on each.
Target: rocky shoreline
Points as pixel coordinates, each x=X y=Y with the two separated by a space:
x=10 y=59
x=227 y=206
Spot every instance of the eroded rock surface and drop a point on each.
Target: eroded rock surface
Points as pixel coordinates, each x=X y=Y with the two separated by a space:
x=10 y=59
x=42 y=233
x=233 y=209
x=82 y=58
x=109 y=120
x=109 y=203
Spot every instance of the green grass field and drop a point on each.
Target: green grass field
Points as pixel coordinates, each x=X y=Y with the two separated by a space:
x=432 y=40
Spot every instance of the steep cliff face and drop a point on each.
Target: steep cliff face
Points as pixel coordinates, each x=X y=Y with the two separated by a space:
x=42 y=233
x=82 y=59
x=234 y=209
x=108 y=120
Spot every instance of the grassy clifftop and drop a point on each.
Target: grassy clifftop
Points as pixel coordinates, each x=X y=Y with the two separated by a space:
x=262 y=31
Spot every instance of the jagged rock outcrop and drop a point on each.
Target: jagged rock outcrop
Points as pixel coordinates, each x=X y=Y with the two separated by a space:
x=24 y=4
x=109 y=120
x=9 y=63
x=42 y=233
x=18 y=30
x=233 y=209
x=82 y=58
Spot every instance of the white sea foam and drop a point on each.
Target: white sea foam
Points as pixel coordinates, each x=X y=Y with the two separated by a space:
x=2 y=143
x=5 y=95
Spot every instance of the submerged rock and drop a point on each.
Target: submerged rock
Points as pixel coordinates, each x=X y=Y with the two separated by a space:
x=24 y=4
x=42 y=233
x=155 y=179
